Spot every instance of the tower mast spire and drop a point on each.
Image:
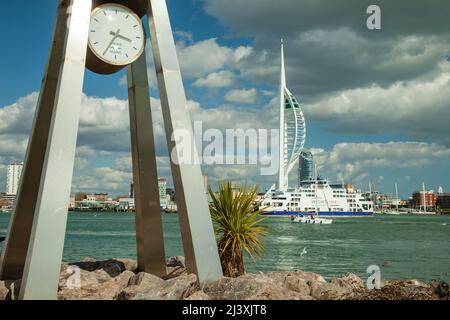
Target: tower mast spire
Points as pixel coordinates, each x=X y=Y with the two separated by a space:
x=281 y=172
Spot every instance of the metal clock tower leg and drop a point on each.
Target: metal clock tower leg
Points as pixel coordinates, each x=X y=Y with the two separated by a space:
x=149 y=227
x=14 y=254
x=202 y=257
x=43 y=262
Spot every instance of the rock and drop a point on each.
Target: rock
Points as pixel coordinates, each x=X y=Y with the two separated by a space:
x=10 y=290
x=149 y=287
x=253 y=287
x=93 y=272
x=174 y=272
x=129 y=264
x=108 y=290
x=338 y=288
x=4 y=291
x=145 y=280
x=416 y=283
x=176 y=262
x=349 y=282
x=69 y=274
x=199 y=295
x=115 y=279
x=298 y=281
x=320 y=290
x=140 y=283
x=442 y=289
x=398 y=290
x=293 y=283
x=384 y=282
x=105 y=270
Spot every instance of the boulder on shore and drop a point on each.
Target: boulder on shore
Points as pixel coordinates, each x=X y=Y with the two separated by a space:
x=253 y=287
x=298 y=281
x=118 y=279
x=148 y=287
x=338 y=288
x=175 y=262
x=108 y=290
x=399 y=290
x=199 y=296
x=12 y=289
x=4 y=291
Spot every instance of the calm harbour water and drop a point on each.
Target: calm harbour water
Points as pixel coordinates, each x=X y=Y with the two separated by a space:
x=405 y=247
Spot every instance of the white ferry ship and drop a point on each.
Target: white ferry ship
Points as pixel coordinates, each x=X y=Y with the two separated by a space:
x=317 y=198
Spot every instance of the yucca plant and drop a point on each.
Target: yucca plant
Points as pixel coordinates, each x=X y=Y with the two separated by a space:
x=238 y=226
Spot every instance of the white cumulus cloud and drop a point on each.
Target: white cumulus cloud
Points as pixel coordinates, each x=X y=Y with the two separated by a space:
x=242 y=96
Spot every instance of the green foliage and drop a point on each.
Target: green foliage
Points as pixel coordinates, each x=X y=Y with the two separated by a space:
x=238 y=226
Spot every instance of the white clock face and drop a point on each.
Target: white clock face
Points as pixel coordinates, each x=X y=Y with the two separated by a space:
x=116 y=34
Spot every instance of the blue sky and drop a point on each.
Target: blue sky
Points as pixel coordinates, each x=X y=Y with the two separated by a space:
x=33 y=22
x=376 y=104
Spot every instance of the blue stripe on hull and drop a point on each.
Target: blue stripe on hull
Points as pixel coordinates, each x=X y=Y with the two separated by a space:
x=324 y=214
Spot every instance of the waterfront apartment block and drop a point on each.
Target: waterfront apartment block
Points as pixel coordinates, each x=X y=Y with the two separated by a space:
x=162 y=185
x=306 y=167
x=423 y=198
x=443 y=203
x=13 y=178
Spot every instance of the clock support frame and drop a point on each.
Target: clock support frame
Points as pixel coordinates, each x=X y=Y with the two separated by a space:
x=35 y=240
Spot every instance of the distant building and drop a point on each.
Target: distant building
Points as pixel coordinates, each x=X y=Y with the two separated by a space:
x=6 y=201
x=306 y=166
x=443 y=203
x=72 y=203
x=162 y=184
x=101 y=197
x=126 y=204
x=423 y=198
x=80 y=196
x=132 y=190
x=13 y=178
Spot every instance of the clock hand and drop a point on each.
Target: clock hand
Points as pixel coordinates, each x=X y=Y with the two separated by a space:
x=112 y=41
x=120 y=36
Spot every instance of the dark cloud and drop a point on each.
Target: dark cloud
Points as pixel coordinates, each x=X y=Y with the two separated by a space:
x=287 y=17
x=328 y=46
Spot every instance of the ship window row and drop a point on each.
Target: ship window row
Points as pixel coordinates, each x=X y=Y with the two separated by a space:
x=278 y=204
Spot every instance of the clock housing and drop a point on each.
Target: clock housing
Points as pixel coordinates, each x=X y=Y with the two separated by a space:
x=139 y=7
x=116 y=38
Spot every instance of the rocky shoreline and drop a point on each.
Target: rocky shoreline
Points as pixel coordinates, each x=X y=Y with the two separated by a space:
x=117 y=280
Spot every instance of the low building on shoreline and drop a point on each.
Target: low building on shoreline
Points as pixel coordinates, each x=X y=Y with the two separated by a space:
x=83 y=201
x=443 y=203
x=421 y=199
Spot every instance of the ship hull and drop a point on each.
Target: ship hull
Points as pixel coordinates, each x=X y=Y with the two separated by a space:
x=321 y=214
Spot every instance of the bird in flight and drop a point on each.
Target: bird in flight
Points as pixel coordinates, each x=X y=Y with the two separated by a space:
x=304 y=252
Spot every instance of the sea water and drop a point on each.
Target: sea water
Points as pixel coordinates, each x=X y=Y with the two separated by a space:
x=404 y=247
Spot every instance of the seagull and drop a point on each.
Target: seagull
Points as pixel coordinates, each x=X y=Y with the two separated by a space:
x=304 y=252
